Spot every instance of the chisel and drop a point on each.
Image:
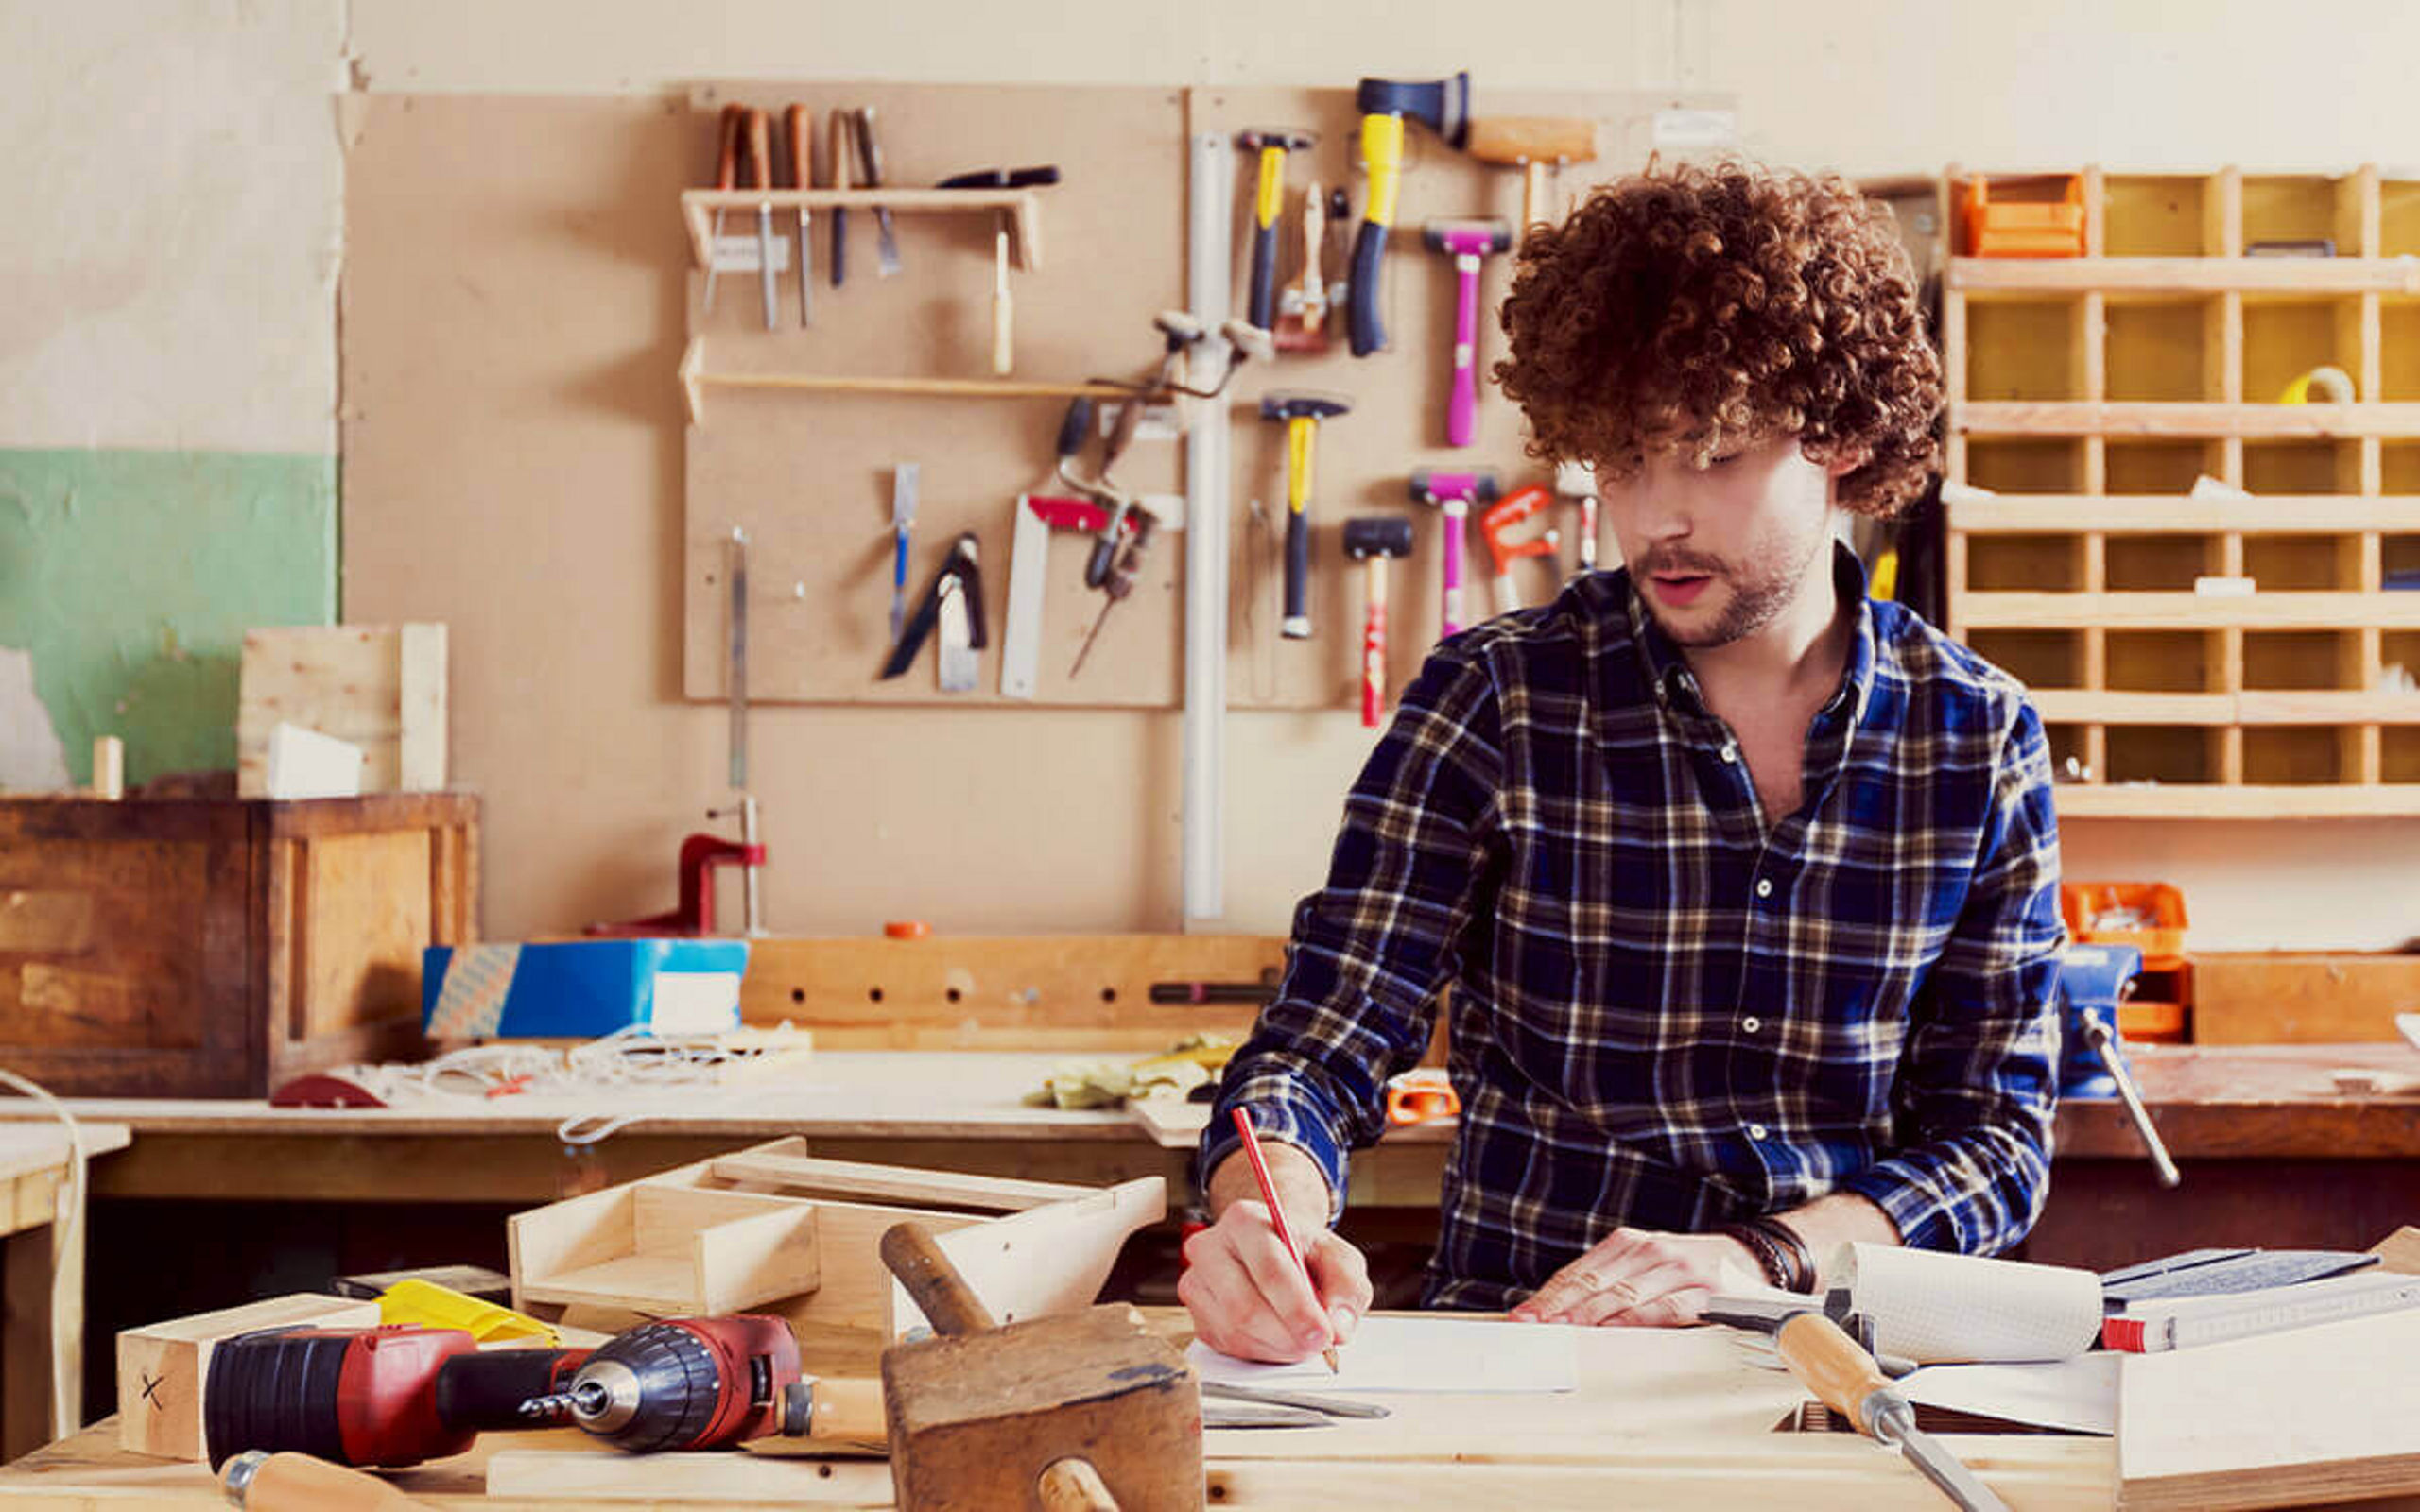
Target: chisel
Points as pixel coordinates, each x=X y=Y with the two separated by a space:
x=726 y=180
x=870 y=166
x=902 y=525
x=760 y=176
x=1832 y=1365
x=837 y=136
x=801 y=126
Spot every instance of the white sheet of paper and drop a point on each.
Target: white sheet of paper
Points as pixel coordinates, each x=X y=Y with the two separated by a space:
x=2078 y=1396
x=1422 y=1354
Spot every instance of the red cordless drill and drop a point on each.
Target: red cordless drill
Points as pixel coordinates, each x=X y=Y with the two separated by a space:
x=402 y=1394
x=394 y=1395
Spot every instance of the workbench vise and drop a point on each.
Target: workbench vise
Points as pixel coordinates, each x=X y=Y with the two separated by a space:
x=2093 y=981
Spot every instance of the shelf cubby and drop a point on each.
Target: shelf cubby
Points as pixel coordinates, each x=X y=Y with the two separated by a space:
x=2091 y=396
x=2038 y=658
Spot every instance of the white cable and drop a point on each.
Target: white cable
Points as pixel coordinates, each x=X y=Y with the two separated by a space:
x=66 y=1258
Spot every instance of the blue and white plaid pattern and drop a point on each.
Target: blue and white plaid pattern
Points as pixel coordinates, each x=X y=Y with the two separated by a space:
x=1665 y=1014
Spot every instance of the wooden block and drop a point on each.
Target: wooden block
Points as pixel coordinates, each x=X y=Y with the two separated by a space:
x=381 y=688
x=160 y=1368
x=975 y=1418
x=2287 y=997
x=2399 y=1251
x=2280 y=1419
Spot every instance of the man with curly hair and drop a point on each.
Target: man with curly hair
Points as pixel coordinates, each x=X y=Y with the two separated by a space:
x=1743 y=884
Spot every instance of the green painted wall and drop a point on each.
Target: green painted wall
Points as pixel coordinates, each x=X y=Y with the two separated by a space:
x=131 y=577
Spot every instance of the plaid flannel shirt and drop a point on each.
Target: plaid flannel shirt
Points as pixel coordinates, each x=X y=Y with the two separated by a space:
x=1664 y=1013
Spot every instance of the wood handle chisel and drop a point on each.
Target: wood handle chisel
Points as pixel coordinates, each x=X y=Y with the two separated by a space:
x=760 y=176
x=869 y=168
x=735 y=119
x=1846 y=1378
x=801 y=128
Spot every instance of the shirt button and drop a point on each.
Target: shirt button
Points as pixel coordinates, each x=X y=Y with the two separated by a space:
x=1756 y=1131
x=1752 y=1023
x=1731 y=751
x=1764 y=887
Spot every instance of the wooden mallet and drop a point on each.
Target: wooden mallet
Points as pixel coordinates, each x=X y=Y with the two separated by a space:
x=1533 y=143
x=1087 y=1410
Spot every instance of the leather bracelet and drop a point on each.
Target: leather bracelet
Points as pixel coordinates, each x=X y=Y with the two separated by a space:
x=1787 y=1262
x=1769 y=1255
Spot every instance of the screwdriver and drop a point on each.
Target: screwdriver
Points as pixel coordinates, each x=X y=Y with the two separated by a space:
x=726 y=180
x=760 y=176
x=1119 y=583
x=1832 y=1365
x=802 y=128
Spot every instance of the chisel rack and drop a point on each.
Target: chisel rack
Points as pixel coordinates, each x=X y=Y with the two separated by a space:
x=2212 y=656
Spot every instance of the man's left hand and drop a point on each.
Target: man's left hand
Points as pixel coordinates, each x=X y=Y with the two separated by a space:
x=1640 y=1277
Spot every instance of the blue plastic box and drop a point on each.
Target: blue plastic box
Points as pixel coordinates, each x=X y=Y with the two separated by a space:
x=579 y=990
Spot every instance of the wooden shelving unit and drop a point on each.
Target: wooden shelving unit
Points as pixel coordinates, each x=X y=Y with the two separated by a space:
x=2088 y=394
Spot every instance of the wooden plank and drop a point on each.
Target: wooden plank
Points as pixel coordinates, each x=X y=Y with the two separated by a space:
x=350 y=681
x=160 y=1368
x=671 y=1480
x=2255 y=707
x=2161 y=514
x=865 y=993
x=2399 y=421
x=2184 y=276
x=2271 y=1420
x=856 y=1178
x=2299 y=998
x=2181 y=800
x=1053 y=1259
x=2288 y=610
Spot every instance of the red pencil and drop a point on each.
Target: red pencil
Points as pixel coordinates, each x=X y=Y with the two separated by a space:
x=1277 y=1213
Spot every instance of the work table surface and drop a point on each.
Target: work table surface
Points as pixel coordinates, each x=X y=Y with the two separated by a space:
x=1663 y=1417
x=2265 y=1100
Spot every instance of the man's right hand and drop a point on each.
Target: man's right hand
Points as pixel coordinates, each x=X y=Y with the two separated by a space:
x=1248 y=1298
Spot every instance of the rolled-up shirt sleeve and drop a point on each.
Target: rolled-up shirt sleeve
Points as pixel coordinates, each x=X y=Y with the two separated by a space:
x=1976 y=1085
x=1370 y=950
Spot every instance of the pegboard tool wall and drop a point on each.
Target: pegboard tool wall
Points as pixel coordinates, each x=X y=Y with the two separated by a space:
x=809 y=476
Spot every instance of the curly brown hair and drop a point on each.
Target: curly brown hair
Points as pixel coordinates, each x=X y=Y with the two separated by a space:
x=1700 y=309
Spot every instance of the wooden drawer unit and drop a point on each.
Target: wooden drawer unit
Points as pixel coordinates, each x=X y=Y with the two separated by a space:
x=218 y=947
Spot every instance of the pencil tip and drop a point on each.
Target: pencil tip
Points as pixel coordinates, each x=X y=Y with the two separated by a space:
x=1329 y=1355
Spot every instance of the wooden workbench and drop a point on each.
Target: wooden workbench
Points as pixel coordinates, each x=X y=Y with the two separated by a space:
x=1663 y=1418
x=2271 y=1151
x=33 y=1166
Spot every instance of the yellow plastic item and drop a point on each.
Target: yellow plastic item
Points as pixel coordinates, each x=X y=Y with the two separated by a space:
x=442 y=1307
x=2333 y=387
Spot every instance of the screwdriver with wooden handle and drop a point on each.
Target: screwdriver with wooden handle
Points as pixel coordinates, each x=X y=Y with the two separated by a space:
x=760 y=176
x=802 y=129
x=1846 y=1379
x=734 y=117
x=262 y=1481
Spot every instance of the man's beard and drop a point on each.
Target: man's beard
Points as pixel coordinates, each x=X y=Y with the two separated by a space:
x=1759 y=591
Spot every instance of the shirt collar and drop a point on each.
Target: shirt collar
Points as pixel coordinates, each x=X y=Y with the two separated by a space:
x=1669 y=673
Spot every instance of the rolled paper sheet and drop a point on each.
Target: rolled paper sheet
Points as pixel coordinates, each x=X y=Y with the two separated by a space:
x=1936 y=1308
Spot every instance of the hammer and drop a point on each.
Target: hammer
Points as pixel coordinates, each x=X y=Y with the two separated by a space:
x=1530 y=143
x=1373 y=538
x=1444 y=105
x=1466 y=242
x=1302 y=412
x=1454 y=492
x=1273 y=145
x=1083 y=1410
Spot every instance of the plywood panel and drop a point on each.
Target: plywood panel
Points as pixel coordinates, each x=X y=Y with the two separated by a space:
x=362 y=932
